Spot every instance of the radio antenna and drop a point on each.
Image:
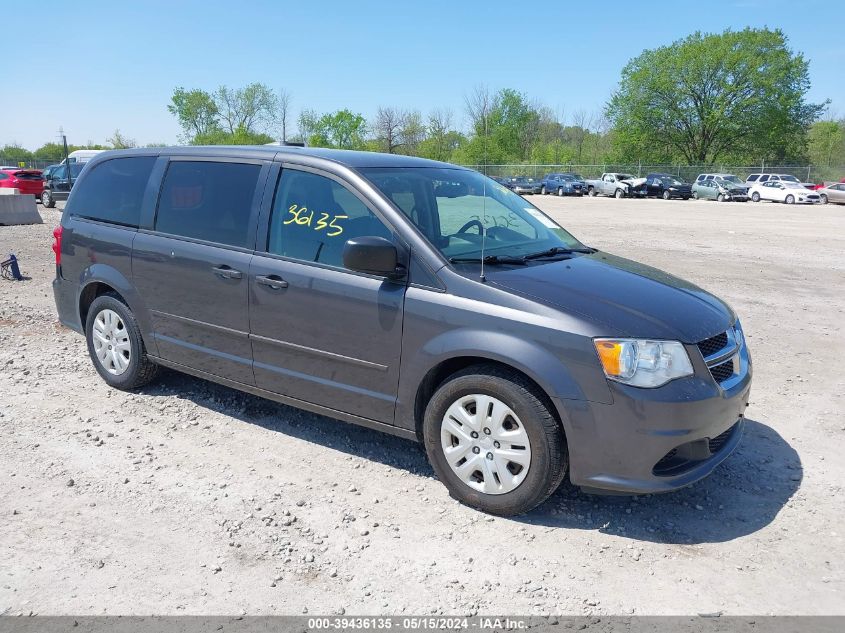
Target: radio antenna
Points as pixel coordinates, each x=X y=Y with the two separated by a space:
x=484 y=199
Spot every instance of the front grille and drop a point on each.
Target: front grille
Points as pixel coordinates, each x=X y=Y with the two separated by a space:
x=723 y=372
x=716 y=443
x=714 y=344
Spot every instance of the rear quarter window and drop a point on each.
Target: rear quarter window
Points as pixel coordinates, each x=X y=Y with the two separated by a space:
x=113 y=191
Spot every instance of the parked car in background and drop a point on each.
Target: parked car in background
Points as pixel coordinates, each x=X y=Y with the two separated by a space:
x=49 y=170
x=667 y=186
x=760 y=178
x=788 y=192
x=563 y=184
x=720 y=187
x=524 y=185
x=27 y=181
x=616 y=185
x=58 y=185
x=832 y=193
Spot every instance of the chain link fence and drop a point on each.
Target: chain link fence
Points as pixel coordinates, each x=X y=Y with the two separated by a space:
x=804 y=173
x=29 y=163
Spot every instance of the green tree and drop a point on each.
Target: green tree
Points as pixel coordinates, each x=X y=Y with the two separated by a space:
x=119 y=141
x=342 y=129
x=196 y=111
x=14 y=154
x=826 y=143
x=737 y=95
x=248 y=108
x=238 y=137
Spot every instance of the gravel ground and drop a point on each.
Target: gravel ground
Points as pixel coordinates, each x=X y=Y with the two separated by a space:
x=190 y=498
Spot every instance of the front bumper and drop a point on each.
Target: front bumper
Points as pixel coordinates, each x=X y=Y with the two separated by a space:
x=657 y=440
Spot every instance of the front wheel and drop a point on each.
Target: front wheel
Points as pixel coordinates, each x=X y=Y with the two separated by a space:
x=47 y=199
x=755 y=197
x=790 y=199
x=543 y=190
x=493 y=442
x=619 y=194
x=823 y=198
x=720 y=198
x=115 y=344
x=560 y=191
x=666 y=195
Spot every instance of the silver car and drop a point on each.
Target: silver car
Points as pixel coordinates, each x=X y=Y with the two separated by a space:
x=832 y=193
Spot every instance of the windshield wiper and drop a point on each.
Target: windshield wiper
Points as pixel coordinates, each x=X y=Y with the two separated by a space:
x=489 y=259
x=558 y=250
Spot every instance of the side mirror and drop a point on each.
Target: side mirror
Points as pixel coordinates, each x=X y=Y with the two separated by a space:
x=373 y=255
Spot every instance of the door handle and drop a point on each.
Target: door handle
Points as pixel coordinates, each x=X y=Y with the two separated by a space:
x=272 y=281
x=224 y=272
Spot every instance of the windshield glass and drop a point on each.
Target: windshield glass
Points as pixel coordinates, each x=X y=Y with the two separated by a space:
x=732 y=180
x=576 y=176
x=454 y=208
x=670 y=180
x=793 y=185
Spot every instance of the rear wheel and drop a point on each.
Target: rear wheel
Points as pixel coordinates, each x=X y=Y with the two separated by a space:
x=823 y=198
x=493 y=442
x=695 y=195
x=591 y=192
x=47 y=199
x=790 y=199
x=755 y=197
x=115 y=344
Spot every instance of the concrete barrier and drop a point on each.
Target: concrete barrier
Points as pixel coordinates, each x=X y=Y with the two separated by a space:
x=19 y=210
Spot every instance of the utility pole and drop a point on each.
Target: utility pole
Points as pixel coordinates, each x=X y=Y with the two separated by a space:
x=67 y=158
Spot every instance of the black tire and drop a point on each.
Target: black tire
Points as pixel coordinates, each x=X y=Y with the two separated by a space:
x=549 y=456
x=543 y=190
x=591 y=192
x=694 y=195
x=560 y=191
x=755 y=197
x=685 y=197
x=141 y=370
x=720 y=198
x=47 y=199
x=823 y=198
x=619 y=194
x=790 y=199
x=666 y=195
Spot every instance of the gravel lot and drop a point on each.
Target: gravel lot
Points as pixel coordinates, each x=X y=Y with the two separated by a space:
x=189 y=498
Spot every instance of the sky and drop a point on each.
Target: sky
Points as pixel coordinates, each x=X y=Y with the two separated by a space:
x=119 y=62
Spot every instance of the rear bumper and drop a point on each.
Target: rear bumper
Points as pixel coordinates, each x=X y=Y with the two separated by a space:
x=655 y=440
x=66 y=303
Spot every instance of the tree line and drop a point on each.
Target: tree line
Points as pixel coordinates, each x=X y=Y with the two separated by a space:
x=738 y=97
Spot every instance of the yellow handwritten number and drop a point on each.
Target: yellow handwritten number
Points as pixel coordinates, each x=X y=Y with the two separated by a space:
x=338 y=229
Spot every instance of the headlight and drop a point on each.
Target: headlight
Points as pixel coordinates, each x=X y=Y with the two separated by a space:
x=643 y=363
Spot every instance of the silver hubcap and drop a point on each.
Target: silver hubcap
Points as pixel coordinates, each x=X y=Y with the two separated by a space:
x=111 y=342
x=485 y=444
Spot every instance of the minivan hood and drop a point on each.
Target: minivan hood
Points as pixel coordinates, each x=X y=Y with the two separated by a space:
x=625 y=297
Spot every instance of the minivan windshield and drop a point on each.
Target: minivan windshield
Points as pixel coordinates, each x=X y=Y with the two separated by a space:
x=458 y=209
x=729 y=180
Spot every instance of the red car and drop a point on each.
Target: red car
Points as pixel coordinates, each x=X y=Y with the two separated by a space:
x=24 y=180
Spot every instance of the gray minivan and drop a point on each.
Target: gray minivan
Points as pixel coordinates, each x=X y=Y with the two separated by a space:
x=405 y=295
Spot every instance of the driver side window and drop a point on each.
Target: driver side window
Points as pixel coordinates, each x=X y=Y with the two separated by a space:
x=313 y=216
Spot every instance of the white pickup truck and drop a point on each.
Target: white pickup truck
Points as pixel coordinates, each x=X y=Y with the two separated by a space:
x=616 y=185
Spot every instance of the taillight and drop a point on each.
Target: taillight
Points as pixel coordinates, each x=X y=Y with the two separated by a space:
x=57 y=244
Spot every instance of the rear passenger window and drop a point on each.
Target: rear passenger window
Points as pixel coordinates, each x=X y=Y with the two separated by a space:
x=208 y=200
x=113 y=191
x=313 y=216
